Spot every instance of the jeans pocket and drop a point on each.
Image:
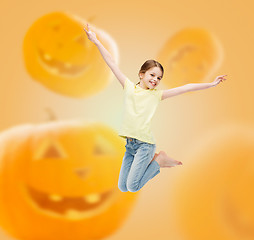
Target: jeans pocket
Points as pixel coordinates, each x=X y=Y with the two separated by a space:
x=146 y=148
x=149 y=148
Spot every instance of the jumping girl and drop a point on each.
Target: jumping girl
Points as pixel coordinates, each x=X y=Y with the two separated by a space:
x=140 y=162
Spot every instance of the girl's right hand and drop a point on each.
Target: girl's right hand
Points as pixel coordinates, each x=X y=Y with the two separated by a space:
x=91 y=35
x=218 y=80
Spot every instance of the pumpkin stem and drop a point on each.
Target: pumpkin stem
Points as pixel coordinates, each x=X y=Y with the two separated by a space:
x=91 y=18
x=52 y=115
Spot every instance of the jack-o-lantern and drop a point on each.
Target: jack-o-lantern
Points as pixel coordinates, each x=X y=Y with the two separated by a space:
x=58 y=180
x=59 y=55
x=213 y=196
x=191 y=55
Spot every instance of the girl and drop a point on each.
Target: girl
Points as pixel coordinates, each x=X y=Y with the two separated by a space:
x=140 y=162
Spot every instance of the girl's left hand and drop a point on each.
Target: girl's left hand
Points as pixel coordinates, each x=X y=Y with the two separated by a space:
x=91 y=35
x=218 y=80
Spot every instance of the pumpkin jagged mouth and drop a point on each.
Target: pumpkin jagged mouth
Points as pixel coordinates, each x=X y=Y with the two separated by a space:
x=72 y=207
x=60 y=68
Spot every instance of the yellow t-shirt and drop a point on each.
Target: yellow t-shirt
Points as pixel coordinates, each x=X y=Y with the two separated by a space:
x=139 y=107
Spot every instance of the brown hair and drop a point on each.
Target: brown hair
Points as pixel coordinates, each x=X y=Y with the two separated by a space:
x=150 y=64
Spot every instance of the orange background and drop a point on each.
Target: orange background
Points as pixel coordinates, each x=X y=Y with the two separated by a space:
x=140 y=29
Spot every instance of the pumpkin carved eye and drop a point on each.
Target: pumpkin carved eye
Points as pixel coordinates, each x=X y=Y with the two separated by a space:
x=54 y=24
x=81 y=40
x=56 y=28
x=50 y=149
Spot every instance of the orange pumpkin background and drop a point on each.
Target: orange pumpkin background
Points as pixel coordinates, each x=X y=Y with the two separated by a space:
x=141 y=30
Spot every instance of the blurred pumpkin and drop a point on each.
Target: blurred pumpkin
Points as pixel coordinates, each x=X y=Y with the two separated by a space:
x=58 y=180
x=213 y=196
x=192 y=55
x=59 y=55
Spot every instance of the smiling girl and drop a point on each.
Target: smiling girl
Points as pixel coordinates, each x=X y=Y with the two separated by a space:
x=140 y=162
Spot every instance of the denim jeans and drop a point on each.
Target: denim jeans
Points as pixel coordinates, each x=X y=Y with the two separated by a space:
x=136 y=168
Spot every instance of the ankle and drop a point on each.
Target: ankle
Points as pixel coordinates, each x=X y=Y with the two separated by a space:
x=158 y=157
x=155 y=157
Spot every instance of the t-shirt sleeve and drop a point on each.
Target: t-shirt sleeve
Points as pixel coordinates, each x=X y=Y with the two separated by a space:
x=159 y=94
x=127 y=84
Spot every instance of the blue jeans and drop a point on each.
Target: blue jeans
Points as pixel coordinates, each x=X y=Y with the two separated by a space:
x=136 y=168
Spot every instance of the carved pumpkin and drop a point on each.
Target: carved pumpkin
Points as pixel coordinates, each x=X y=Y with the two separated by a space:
x=190 y=56
x=59 y=55
x=213 y=196
x=58 y=180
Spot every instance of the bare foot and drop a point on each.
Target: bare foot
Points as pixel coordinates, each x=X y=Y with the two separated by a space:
x=165 y=161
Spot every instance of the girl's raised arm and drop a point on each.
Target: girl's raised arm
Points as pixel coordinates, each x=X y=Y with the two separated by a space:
x=106 y=56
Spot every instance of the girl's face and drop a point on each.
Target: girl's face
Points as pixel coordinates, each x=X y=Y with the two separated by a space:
x=151 y=78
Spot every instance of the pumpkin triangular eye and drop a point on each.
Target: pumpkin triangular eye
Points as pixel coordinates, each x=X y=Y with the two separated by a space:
x=54 y=24
x=50 y=149
x=81 y=40
x=103 y=147
x=56 y=27
x=52 y=152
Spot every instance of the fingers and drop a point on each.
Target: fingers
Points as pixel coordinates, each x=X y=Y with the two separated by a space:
x=221 y=77
x=88 y=28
